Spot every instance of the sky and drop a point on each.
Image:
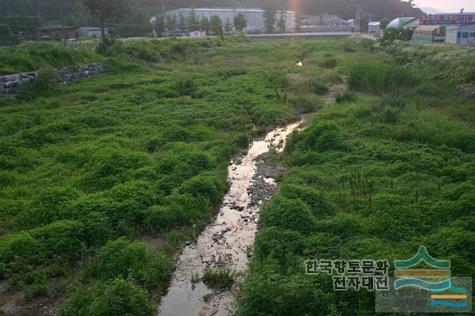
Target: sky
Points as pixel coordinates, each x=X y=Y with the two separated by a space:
x=448 y=5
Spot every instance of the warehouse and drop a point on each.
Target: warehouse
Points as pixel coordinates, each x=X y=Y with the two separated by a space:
x=458 y=27
x=429 y=34
x=254 y=17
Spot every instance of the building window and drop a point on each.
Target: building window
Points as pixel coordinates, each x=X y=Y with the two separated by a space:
x=459 y=35
x=465 y=35
x=472 y=34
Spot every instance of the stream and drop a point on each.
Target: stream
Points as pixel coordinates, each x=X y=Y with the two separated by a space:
x=229 y=239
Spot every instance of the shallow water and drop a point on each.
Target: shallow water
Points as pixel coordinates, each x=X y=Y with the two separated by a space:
x=227 y=241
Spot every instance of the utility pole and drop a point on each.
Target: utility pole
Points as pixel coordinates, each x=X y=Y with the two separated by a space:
x=358 y=18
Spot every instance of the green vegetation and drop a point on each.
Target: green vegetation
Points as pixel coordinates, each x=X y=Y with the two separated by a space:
x=373 y=177
x=103 y=181
x=219 y=278
x=32 y=57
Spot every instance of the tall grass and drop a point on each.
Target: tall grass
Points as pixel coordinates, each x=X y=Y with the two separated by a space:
x=379 y=78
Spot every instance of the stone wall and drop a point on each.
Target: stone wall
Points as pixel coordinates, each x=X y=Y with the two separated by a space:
x=10 y=84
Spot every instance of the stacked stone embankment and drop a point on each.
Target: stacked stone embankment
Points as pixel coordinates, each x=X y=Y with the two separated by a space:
x=10 y=85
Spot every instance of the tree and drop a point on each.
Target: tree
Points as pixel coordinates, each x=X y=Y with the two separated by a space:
x=228 y=27
x=105 y=10
x=298 y=23
x=269 y=19
x=282 y=24
x=217 y=26
x=204 y=24
x=181 y=22
x=171 y=22
x=384 y=23
x=193 y=21
x=240 y=22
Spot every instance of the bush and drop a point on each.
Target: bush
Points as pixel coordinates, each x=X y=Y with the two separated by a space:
x=130 y=260
x=44 y=84
x=116 y=297
x=185 y=87
x=319 y=137
x=289 y=214
x=328 y=63
x=318 y=87
x=26 y=257
x=219 y=278
x=378 y=77
x=347 y=96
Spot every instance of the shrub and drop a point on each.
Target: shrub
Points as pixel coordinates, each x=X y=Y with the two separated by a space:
x=317 y=200
x=44 y=84
x=209 y=185
x=185 y=87
x=219 y=278
x=347 y=96
x=318 y=87
x=279 y=244
x=328 y=63
x=118 y=258
x=378 y=77
x=321 y=137
x=305 y=104
x=116 y=297
x=289 y=214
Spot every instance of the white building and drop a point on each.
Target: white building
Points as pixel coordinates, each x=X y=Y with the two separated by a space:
x=373 y=27
x=90 y=31
x=254 y=17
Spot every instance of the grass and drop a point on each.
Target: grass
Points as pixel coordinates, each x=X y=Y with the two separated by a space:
x=219 y=278
x=373 y=177
x=90 y=169
x=32 y=57
x=86 y=173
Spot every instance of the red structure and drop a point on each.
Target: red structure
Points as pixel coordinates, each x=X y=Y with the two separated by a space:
x=56 y=31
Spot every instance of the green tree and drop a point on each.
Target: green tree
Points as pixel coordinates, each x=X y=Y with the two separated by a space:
x=282 y=24
x=269 y=19
x=217 y=26
x=298 y=23
x=105 y=10
x=193 y=21
x=384 y=23
x=170 y=22
x=181 y=22
x=228 y=27
x=204 y=24
x=240 y=22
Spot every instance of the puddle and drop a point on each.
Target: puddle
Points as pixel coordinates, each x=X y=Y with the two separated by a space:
x=229 y=239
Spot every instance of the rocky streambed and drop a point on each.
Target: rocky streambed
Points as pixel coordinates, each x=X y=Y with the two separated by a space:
x=229 y=239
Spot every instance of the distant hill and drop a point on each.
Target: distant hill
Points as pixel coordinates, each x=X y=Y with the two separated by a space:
x=372 y=9
x=25 y=15
x=429 y=10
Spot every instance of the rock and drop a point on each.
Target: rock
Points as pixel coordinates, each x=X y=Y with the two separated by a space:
x=10 y=84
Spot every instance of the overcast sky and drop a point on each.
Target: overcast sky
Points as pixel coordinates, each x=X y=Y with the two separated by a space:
x=448 y=5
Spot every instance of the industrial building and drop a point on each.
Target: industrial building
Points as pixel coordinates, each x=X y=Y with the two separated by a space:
x=254 y=17
x=457 y=28
x=325 y=23
x=408 y=23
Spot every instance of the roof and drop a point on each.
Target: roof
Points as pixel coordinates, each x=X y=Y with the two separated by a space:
x=457 y=13
x=373 y=23
x=400 y=22
x=54 y=27
x=90 y=28
x=255 y=10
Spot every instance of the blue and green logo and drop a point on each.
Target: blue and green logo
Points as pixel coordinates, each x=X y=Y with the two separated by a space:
x=434 y=278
